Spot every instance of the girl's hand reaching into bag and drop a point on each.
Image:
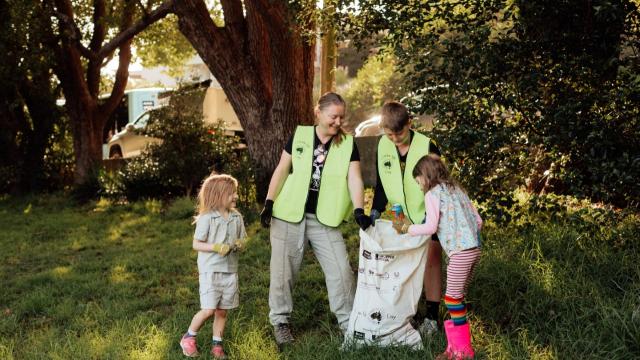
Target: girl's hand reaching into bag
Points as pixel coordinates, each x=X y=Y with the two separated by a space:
x=401 y=226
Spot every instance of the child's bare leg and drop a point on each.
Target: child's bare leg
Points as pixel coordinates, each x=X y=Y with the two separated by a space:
x=188 y=340
x=219 y=322
x=199 y=318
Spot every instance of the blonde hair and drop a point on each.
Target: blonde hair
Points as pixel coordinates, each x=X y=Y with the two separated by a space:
x=213 y=191
x=434 y=172
x=394 y=116
x=327 y=99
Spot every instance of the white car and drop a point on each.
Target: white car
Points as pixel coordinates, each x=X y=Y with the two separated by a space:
x=130 y=142
x=216 y=107
x=369 y=127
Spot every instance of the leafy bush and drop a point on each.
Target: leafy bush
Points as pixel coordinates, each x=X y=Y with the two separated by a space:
x=581 y=215
x=243 y=170
x=59 y=158
x=542 y=95
x=190 y=150
x=141 y=178
x=89 y=189
x=55 y=172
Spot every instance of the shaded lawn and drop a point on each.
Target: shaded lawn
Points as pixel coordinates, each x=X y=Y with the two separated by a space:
x=104 y=281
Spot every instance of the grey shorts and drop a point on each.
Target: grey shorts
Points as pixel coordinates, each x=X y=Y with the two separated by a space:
x=219 y=290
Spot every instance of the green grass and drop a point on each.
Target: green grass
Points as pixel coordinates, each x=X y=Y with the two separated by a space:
x=106 y=281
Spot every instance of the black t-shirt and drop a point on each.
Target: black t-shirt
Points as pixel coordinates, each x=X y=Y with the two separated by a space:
x=320 y=152
x=379 y=197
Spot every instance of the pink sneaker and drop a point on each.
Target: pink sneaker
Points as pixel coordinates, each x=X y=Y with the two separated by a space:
x=218 y=352
x=189 y=347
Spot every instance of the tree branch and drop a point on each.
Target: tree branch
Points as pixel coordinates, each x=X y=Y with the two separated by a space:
x=124 y=59
x=195 y=22
x=232 y=10
x=74 y=34
x=69 y=62
x=160 y=12
x=234 y=22
x=229 y=60
x=97 y=38
x=274 y=13
x=122 y=75
x=99 y=28
x=144 y=9
x=259 y=48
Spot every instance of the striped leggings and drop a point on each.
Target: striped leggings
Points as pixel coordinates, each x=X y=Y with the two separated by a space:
x=459 y=274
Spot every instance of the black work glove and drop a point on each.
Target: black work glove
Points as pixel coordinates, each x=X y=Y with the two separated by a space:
x=363 y=220
x=265 y=214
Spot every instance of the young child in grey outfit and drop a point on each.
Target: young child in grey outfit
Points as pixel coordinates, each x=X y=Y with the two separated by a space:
x=219 y=235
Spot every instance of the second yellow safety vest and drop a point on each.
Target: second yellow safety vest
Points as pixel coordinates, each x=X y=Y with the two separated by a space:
x=403 y=190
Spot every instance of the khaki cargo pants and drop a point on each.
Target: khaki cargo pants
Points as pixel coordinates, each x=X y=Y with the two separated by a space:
x=288 y=241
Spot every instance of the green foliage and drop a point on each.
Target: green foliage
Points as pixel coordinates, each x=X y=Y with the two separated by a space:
x=112 y=281
x=162 y=44
x=141 y=178
x=59 y=158
x=542 y=94
x=243 y=170
x=88 y=189
x=28 y=112
x=377 y=81
x=353 y=55
x=189 y=151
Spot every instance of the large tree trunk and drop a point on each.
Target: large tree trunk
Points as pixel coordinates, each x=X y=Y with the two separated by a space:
x=264 y=66
x=79 y=73
x=82 y=108
x=87 y=140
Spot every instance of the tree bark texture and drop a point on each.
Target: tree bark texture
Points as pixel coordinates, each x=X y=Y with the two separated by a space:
x=265 y=67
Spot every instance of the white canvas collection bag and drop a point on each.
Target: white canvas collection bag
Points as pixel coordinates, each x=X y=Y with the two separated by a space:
x=390 y=272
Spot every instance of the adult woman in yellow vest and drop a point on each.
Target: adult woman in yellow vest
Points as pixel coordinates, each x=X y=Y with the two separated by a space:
x=398 y=152
x=311 y=192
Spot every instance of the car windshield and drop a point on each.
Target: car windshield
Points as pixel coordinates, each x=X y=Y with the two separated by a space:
x=141 y=121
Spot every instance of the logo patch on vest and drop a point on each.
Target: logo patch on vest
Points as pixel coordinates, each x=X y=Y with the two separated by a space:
x=387 y=162
x=300 y=148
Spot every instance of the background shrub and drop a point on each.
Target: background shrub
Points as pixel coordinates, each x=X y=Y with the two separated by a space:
x=536 y=94
x=141 y=178
x=190 y=150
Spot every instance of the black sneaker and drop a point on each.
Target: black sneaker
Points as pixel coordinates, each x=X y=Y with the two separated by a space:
x=282 y=333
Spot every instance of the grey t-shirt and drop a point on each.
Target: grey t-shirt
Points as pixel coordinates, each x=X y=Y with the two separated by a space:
x=212 y=228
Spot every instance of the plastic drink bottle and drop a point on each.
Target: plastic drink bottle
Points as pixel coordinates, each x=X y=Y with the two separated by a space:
x=397 y=212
